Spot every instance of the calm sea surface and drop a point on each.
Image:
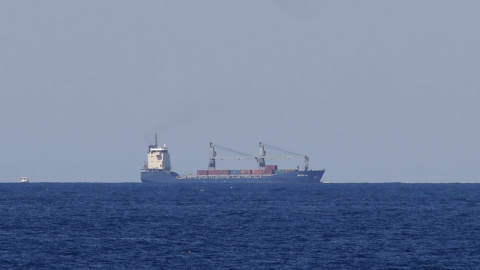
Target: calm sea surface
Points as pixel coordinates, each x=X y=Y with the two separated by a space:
x=239 y=226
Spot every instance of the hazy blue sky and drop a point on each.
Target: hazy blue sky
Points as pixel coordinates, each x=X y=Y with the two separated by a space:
x=373 y=91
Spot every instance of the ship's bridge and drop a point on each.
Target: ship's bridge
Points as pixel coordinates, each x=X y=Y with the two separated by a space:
x=158 y=158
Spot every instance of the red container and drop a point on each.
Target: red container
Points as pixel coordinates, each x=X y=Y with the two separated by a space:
x=287 y=171
x=202 y=172
x=257 y=171
x=223 y=172
x=271 y=167
x=268 y=172
x=213 y=172
x=245 y=172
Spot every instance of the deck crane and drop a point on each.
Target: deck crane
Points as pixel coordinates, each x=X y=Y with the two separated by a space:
x=261 y=159
x=213 y=155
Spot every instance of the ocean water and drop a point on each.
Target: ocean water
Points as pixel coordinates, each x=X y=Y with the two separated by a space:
x=239 y=226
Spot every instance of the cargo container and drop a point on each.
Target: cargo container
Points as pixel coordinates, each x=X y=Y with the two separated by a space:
x=245 y=171
x=202 y=172
x=218 y=172
x=287 y=171
x=268 y=171
x=235 y=171
x=271 y=167
x=257 y=171
x=213 y=172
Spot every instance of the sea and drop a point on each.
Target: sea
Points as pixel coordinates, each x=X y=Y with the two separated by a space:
x=239 y=226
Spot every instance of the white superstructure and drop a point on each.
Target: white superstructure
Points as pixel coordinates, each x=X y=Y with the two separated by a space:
x=158 y=157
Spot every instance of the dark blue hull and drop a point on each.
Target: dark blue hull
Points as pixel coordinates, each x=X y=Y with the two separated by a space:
x=158 y=176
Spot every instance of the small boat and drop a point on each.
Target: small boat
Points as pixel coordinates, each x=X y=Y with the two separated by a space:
x=24 y=180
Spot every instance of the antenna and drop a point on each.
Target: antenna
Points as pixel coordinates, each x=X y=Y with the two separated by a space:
x=156 y=142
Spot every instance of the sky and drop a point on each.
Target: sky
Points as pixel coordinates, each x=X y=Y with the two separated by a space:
x=372 y=91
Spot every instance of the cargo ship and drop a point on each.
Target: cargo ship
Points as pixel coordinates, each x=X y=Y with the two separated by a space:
x=158 y=169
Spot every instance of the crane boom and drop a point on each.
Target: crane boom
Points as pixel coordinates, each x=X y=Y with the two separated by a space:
x=213 y=155
x=291 y=155
x=243 y=155
x=260 y=159
x=283 y=150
